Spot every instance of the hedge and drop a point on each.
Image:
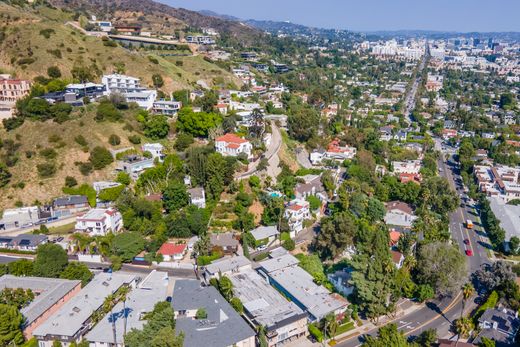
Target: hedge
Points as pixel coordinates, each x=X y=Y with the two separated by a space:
x=315 y=332
x=491 y=302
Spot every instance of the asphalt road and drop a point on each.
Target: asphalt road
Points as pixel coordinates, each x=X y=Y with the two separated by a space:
x=439 y=314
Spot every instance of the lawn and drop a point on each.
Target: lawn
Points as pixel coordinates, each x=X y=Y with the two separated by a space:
x=62 y=229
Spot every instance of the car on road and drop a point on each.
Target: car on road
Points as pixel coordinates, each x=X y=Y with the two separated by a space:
x=466 y=241
x=261 y=248
x=469 y=252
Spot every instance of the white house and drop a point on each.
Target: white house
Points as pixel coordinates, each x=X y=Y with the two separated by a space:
x=296 y=212
x=407 y=167
x=340 y=280
x=121 y=83
x=156 y=149
x=172 y=252
x=99 y=221
x=145 y=99
x=232 y=145
x=334 y=152
x=267 y=233
x=168 y=108
x=197 y=197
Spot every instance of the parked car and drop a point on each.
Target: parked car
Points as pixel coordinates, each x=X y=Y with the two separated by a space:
x=469 y=252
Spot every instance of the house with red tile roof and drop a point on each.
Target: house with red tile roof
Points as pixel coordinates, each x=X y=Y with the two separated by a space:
x=232 y=145
x=171 y=251
x=296 y=212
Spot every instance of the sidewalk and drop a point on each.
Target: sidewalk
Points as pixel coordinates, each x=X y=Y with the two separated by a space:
x=369 y=326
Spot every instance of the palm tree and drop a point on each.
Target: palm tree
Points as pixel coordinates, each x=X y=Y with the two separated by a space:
x=123 y=294
x=463 y=327
x=467 y=292
x=108 y=306
x=226 y=287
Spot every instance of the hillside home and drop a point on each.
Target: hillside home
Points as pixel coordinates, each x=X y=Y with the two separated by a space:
x=232 y=145
x=296 y=212
x=99 y=221
x=155 y=149
x=172 y=252
x=167 y=108
x=197 y=197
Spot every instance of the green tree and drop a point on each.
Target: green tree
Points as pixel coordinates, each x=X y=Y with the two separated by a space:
x=463 y=327
x=303 y=124
x=467 y=293
x=225 y=286
x=374 y=272
x=18 y=297
x=157 y=127
x=11 y=321
x=123 y=178
x=50 y=260
x=336 y=234
x=157 y=80
x=100 y=157
x=387 y=336
x=201 y=313
x=175 y=196
x=375 y=210
x=22 y=267
x=70 y=181
x=427 y=338
x=442 y=266
x=237 y=305
x=197 y=124
x=77 y=271
x=486 y=342
x=127 y=245
x=183 y=141
x=424 y=292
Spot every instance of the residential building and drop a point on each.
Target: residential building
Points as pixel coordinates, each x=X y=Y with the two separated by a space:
x=20 y=217
x=126 y=29
x=407 y=167
x=397 y=258
x=68 y=205
x=399 y=215
x=140 y=301
x=283 y=320
x=99 y=221
x=102 y=185
x=23 y=242
x=121 y=84
x=507 y=215
x=225 y=241
x=298 y=285
x=340 y=280
x=171 y=251
x=311 y=185
x=155 y=149
x=449 y=134
x=50 y=294
x=265 y=234
x=197 y=197
x=233 y=145
x=200 y=40
x=73 y=319
x=226 y=266
x=167 y=108
x=89 y=89
x=296 y=212
x=223 y=326
x=145 y=99
x=500 y=181
x=12 y=90
x=500 y=325
x=134 y=165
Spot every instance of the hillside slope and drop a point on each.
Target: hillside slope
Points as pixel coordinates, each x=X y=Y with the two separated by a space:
x=152 y=13
x=35 y=39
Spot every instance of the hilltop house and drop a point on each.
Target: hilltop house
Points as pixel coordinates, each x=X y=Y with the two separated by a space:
x=296 y=212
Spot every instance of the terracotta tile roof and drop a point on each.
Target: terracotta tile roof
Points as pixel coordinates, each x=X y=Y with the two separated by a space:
x=231 y=138
x=171 y=249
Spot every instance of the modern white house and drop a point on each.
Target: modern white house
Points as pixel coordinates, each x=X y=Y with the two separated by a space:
x=407 y=167
x=121 y=83
x=167 y=108
x=232 y=145
x=296 y=212
x=155 y=149
x=144 y=98
x=99 y=221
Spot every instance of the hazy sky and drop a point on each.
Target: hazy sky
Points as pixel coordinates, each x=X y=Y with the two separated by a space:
x=366 y=15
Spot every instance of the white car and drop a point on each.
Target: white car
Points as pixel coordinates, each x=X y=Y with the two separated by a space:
x=261 y=248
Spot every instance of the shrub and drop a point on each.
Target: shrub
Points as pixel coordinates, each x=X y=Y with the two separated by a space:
x=183 y=141
x=48 y=153
x=54 y=138
x=107 y=111
x=100 y=157
x=54 y=72
x=55 y=52
x=153 y=59
x=70 y=181
x=85 y=168
x=46 y=170
x=47 y=32
x=80 y=140
x=135 y=139
x=109 y=43
x=289 y=245
x=26 y=61
x=114 y=140
x=83 y=189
